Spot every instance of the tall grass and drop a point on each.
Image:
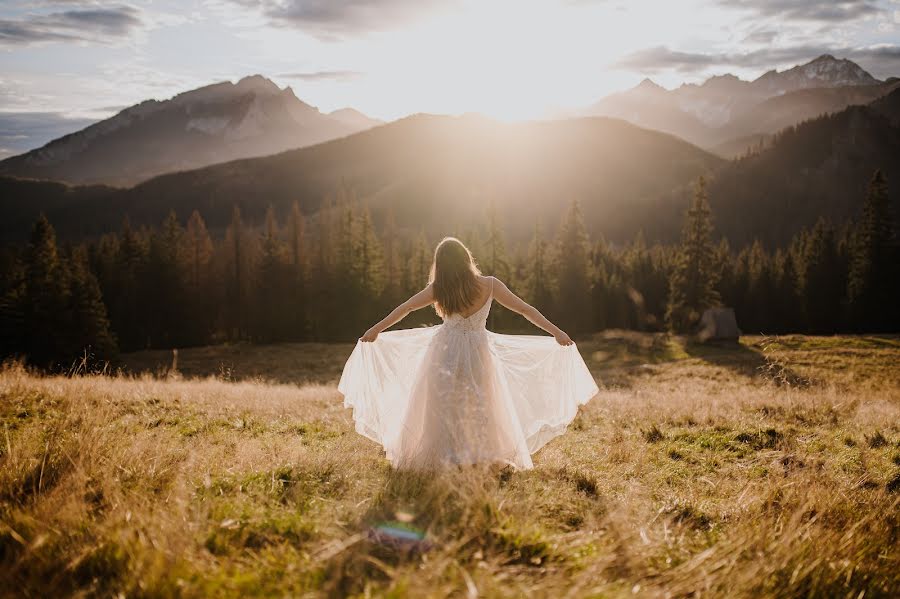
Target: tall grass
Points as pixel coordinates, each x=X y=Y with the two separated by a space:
x=692 y=475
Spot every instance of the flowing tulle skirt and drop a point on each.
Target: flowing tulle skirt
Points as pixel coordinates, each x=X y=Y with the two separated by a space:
x=443 y=395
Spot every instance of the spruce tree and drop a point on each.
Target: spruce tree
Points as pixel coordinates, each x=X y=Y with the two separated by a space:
x=90 y=327
x=46 y=314
x=419 y=264
x=692 y=286
x=872 y=287
x=539 y=285
x=369 y=258
x=822 y=281
x=296 y=231
x=162 y=282
x=573 y=273
x=12 y=303
x=393 y=267
x=494 y=260
x=638 y=281
x=240 y=254
x=201 y=306
x=368 y=255
x=272 y=302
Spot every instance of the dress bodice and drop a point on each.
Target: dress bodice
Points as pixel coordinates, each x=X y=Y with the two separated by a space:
x=474 y=322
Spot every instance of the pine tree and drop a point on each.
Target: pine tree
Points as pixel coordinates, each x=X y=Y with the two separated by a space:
x=369 y=256
x=162 y=282
x=761 y=293
x=573 y=276
x=872 y=287
x=198 y=251
x=692 y=287
x=89 y=323
x=122 y=289
x=638 y=281
x=419 y=264
x=272 y=301
x=46 y=312
x=822 y=281
x=296 y=231
x=539 y=286
x=12 y=304
x=787 y=315
x=239 y=259
x=393 y=267
x=495 y=261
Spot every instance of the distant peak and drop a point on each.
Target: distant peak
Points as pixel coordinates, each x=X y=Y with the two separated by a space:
x=257 y=83
x=825 y=58
x=648 y=84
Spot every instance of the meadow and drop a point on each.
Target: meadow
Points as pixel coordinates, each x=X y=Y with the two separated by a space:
x=768 y=468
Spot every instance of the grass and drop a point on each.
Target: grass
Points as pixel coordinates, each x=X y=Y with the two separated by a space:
x=769 y=468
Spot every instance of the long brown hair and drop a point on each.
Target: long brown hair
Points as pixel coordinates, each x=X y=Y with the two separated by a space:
x=454 y=277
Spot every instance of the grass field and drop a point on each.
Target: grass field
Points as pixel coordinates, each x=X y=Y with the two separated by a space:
x=771 y=468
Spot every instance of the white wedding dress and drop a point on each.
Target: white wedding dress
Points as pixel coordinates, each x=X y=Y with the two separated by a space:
x=457 y=393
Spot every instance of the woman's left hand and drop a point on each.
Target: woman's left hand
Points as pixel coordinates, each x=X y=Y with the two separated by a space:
x=370 y=335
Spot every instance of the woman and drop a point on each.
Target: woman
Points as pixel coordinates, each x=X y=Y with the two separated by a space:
x=457 y=393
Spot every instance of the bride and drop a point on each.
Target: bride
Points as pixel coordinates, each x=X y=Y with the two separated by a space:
x=457 y=393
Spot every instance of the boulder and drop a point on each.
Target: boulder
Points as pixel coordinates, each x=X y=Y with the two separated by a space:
x=718 y=324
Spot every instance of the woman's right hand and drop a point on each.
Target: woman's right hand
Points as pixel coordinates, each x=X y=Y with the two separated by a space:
x=369 y=336
x=563 y=339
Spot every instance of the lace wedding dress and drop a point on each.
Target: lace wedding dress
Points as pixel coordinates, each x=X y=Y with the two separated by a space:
x=457 y=393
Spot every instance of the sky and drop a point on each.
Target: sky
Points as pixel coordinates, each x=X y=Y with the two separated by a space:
x=66 y=63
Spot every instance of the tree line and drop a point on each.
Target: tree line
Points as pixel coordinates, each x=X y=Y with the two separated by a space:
x=327 y=276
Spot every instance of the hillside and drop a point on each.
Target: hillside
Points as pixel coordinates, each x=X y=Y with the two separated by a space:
x=212 y=124
x=819 y=168
x=435 y=172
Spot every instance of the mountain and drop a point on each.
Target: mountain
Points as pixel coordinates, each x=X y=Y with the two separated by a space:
x=434 y=172
x=724 y=110
x=825 y=71
x=354 y=118
x=215 y=123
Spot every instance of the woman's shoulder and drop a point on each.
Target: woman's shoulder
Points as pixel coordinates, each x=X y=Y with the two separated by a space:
x=488 y=280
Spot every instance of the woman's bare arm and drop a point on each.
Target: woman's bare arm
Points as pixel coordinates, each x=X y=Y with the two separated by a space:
x=517 y=304
x=420 y=300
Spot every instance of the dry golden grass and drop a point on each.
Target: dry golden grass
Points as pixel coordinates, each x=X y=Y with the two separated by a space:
x=767 y=469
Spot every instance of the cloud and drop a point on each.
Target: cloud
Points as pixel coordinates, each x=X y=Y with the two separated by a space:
x=808 y=10
x=341 y=18
x=83 y=25
x=314 y=76
x=761 y=36
x=882 y=61
x=23 y=131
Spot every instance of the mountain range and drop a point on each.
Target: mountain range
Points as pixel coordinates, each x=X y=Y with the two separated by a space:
x=435 y=172
x=827 y=127
x=728 y=115
x=212 y=124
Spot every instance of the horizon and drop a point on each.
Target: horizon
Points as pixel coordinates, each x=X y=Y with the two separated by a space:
x=70 y=63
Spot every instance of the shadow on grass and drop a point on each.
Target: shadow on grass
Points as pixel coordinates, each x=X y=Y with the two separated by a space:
x=759 y=361
x=621 y=358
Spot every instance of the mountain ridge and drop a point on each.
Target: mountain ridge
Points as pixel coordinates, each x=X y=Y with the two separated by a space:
x=214 y=123
x=434 y=171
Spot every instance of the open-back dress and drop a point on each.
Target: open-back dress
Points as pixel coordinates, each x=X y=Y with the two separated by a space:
x=457 y=393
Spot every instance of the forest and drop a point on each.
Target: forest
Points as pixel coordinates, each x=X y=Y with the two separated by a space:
x=327 y=276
